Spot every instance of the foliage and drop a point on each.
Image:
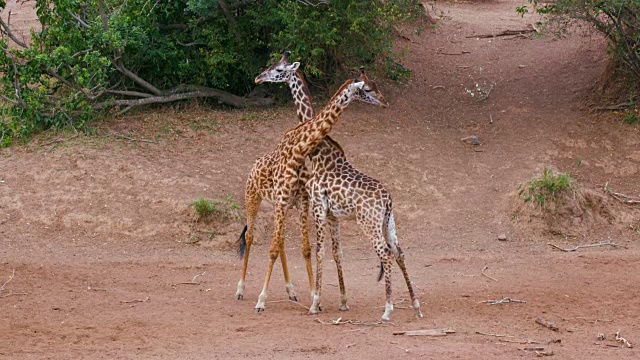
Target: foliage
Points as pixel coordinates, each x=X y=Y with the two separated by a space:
x=224 y=209
x=91 y=55
x=630 y=118
x=618 y=20
x=548 y=186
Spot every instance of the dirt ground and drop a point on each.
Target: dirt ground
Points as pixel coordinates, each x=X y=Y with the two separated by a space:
x=93 y=224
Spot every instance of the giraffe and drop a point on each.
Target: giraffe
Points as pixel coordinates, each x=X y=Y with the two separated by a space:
x=260 y=184
x=290 y=153
x=339 y=191
x=328 y=164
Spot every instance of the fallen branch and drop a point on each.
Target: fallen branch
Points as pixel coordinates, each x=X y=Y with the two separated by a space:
x=339 y=321
x=194 y=92
x=544 y=353
x=502 y=337
x=12 y=293
x=623 y=340
x=504 y=300
x=426 y=332
x=193 y=281
x=625 y=199
x=504 y=33
x=134 y=301
x=621 y=106
x=59 y=140
x=547 y=324
x=593 y=321
x=483 y=273
x=120 y=136
x=587 y=246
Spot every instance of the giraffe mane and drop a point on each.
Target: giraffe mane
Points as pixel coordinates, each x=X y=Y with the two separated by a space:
x=305 y=88
x=335 y=145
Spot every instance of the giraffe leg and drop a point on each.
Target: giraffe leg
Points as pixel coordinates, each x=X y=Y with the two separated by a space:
x=285 y=271
x=403 y=268
x=320 y=215
x=334 y=229
x=252 y=201
x=385 y=261
x=277 y=245
x=306 y=245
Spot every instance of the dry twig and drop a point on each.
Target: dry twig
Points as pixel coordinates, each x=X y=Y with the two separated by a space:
x=504 y=300
x=501 y=337
x=604 y=243
x=12 y=293
x=426 y=332
x=13 y=274
x=544 y=353
x=134 y=301
x=623 y=340
x=593 y=321
x=613 y=108
x=59 y=140
x=120 y=136
x=483 y=273
x=193 y=281
x=339 y=321
x=546 y=323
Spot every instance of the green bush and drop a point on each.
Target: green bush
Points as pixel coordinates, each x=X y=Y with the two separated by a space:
x=545 y=187
x=617 y=20
x=92 y=55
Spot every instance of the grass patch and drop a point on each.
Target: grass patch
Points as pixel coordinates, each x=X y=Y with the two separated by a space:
x=226 y=208
x=546 y=187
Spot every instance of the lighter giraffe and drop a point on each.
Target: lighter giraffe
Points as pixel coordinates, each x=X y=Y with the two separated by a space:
x=331 y=195
x=290 y=154
x=260 y=184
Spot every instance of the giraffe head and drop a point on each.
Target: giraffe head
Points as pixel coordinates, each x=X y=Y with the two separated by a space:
x=369 y=92
x=282 y=71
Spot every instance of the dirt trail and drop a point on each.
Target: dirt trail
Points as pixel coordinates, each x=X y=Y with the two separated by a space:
x=96 y=228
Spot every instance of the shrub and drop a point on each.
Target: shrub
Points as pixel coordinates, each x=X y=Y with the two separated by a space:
x=545 y=187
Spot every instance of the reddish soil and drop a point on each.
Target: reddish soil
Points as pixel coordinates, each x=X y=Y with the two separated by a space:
x=96 y=222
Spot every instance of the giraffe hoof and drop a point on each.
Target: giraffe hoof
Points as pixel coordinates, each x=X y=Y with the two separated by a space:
x=293 y=298
x=239 y=297
x=343 y=307
x=259 y=310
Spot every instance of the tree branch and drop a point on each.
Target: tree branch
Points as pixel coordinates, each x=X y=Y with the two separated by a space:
x=223 y=97
x=4 y=28
x=131 y=75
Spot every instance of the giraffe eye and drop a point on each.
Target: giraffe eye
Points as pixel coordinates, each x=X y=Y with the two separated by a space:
x=279 y=70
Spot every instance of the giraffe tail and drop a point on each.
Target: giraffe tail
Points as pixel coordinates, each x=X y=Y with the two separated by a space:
x=390 y=236
x=242 y=242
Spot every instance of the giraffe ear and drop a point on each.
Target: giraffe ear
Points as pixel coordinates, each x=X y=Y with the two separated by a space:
x=294 y=66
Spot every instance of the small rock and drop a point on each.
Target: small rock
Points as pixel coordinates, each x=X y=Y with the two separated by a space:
x=473 y=140
x=502 y=237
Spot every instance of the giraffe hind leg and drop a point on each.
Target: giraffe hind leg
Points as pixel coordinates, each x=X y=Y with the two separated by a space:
x=414 y=301
x=246 y=238
x=334 y=229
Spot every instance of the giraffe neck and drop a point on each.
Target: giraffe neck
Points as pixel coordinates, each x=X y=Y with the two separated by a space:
x=301 y=96
x=310 y=133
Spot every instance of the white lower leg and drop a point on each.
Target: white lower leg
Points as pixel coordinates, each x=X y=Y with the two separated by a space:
x=416 y=306
x=240 y=291
x=343 y=303
x=315 y=305
x=388 y=309
x=262 y=301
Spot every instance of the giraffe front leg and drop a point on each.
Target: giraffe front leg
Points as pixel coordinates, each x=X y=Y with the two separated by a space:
x=334 y=229
x=274 y=251
x=306 y=245
x=287 y=278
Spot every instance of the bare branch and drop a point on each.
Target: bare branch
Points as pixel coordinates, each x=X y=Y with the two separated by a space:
x=131 y=75
x=223 y=97
x=129 y=93
x=307 y=2
x=4 y=28
x=80 y=21
x=103 y=16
